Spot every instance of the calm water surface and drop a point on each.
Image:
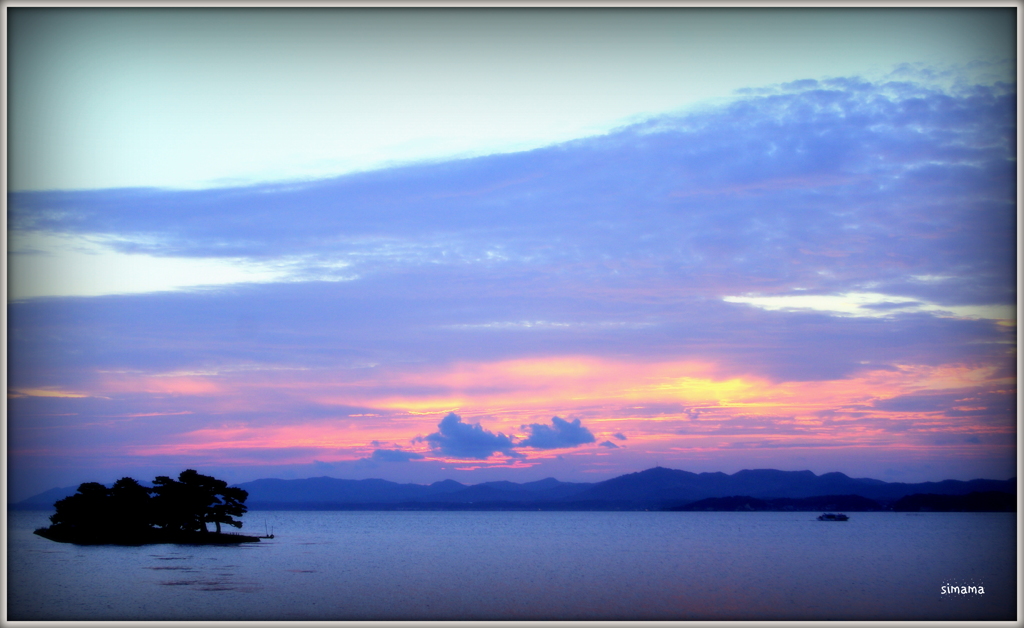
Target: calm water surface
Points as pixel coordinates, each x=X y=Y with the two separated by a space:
x=532 y=565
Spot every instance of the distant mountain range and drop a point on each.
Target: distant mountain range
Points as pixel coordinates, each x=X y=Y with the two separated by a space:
x=658 y=488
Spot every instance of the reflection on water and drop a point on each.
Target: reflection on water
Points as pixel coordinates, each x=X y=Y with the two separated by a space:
x=543 y=565
x=207 y=576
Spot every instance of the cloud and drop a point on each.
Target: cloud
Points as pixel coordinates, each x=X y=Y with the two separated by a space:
x=395 y=455
x=468 y=440
x=898 y=196
x=918 y=403
x=609 y=444
x=872 y=305
x=744 y=424
x=560 y=433
x=811 y=186
x=46 y=265
x=619 y=435
x=994 y=406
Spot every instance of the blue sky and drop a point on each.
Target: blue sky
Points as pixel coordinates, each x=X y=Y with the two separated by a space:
x=171 y=98
x=511 y=244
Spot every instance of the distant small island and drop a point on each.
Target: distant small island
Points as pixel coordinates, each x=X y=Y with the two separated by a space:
x=172 y=511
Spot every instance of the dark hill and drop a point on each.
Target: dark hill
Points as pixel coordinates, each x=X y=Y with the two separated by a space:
x=44 y=500
x=332 y=490
x=986 y=501
x=659 y=484
x=331 y=493
x=656 y=488
x=851 y=503
x=671 y=487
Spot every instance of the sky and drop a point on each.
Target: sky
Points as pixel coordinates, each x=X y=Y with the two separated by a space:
x=510 y=244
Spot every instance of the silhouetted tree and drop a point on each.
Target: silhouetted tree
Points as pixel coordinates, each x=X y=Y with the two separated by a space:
x=231 y=505
x=100 y=513
x=85 y=512
x=131 y=507
x=195 y=499
x=126 y=514
x=174 y=508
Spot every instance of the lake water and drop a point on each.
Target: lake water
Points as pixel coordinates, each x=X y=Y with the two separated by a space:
x=533 y=565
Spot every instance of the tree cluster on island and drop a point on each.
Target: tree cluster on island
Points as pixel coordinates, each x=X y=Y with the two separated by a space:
x=172 y=511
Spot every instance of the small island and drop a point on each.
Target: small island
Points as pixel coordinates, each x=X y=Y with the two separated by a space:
x=172 y=511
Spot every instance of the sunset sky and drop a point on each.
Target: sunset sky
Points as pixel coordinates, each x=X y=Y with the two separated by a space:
x=510 y=244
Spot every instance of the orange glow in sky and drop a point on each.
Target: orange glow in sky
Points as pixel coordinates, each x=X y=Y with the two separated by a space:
x=610 y=396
